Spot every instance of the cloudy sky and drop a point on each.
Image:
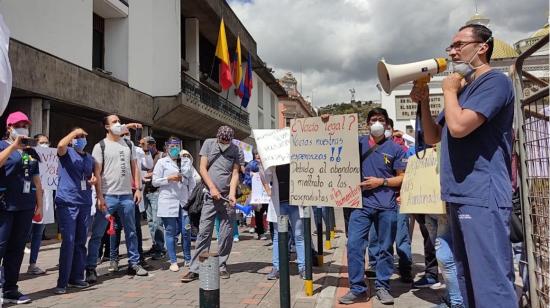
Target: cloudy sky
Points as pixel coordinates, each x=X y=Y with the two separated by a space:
x=337 y=43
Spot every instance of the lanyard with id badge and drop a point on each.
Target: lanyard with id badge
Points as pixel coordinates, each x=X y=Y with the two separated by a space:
x=26 y=170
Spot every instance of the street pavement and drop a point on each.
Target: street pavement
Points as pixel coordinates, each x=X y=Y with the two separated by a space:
x=249 y=264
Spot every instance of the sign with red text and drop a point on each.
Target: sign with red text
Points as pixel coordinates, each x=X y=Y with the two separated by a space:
x=48 y=165
x=420 y=190
x=324 y=162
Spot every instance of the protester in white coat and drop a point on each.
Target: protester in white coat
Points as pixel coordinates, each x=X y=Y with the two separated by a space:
x=174 y=175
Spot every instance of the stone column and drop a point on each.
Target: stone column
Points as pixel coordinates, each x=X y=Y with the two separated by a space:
x=192 y=46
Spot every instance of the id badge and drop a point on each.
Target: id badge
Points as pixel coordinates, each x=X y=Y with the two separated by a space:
x=83 y=185
x=27 y=187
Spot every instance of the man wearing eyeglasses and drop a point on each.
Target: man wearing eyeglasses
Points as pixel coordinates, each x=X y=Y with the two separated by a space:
x=475 y=131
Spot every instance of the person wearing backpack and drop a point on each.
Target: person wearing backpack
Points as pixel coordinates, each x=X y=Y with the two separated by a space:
x=117 y=164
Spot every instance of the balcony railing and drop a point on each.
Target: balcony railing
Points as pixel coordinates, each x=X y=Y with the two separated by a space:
x=207 y=96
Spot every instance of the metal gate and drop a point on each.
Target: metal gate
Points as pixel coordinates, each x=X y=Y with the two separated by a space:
x=532 y=114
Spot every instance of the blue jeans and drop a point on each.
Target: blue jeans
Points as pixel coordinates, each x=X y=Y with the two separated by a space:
x=73 y=225
x=402 y=245
x=124 y=206
x=298 y=231
x=172 y=227
x=360 y=223
x=440 y=234
x=36 y=239
x=154 y=222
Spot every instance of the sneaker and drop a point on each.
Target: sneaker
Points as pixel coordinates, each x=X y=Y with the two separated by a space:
x=113 y=267
x=35 y=270
x=91 y=276
x=78 y=284
x=27 y=250
x=274 y=275
x=224 y=274
x=187 y=263
x=263 y=237
x=174 y=267
x=438 y=285
x=59 y=291
x=303 y=275
x=351 y=298
x=424 y=282
x=384 y=296
x=137 y=270
x=235 y=240
x=16 y=298
x=190 y=276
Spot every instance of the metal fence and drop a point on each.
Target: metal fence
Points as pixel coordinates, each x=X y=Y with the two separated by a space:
x=532 y=119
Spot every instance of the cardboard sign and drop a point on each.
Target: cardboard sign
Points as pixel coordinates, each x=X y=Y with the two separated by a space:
x=273 y=146
x=49 y=162
x=324 y=168
x=258 y=195
x=246 y=148
x=421 y=191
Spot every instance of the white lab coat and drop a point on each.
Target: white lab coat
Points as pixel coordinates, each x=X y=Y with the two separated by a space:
x=172 y=195
x=145 y=162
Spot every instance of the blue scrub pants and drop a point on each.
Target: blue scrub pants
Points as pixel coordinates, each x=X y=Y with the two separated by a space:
x=402 y=245
x=483 y=254
x=360 y=222
x=14 y=230
x=73 y=225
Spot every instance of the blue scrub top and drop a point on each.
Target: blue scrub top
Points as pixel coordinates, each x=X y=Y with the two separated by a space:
x=73 y=168
x=384 y=162
x=476 y=168
x=12 y=180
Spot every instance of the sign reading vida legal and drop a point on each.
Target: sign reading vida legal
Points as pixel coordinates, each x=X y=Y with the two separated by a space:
x=420 y=191
x=273 y=146
x=324 y=167
x=49 y=162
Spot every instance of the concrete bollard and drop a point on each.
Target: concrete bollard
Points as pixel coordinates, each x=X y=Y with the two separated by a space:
x=209 y=277
x=284 y=274
x=308 y=282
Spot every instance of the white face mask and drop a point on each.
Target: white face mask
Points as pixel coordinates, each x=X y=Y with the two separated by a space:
x=377 y=129
x=463 y=68
x=387 y=133
x=127 y=138
x=43 y=145
x=22 y=131
x=116 y=129
x=224 y=146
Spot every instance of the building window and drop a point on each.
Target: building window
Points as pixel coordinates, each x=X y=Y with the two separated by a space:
x=98 y=44
x=260 y=95
x=273 y=106
x=260 y=119
x=287 y=122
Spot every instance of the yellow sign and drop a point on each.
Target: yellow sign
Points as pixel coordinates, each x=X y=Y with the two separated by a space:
x=421 y=191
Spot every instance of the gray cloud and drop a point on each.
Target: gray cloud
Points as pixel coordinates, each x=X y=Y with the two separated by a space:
x=336 y=44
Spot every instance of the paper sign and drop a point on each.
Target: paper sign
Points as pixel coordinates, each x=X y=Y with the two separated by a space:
x=258 y=195
x=421 y=191
x=324 y=168
x=246 y=148
x=273 y=146
x=48 y=165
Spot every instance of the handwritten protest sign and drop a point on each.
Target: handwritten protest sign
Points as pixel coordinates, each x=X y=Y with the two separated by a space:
x=324 y=168
x=259 y=195
x=420 y=191
x=246 y=148
x=48 y=165
x=273 y=146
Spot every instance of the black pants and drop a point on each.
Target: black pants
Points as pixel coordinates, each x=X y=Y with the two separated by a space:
x=259 y=219
x=347 y=213
x=430 y=261
x=14 y=229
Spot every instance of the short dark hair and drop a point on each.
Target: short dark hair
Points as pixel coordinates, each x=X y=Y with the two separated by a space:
x=378 y=111
x=37 y=136
x=390 y=122
x=482 y=34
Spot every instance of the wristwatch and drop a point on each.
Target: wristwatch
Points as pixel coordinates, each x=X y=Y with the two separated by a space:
x=385 y=183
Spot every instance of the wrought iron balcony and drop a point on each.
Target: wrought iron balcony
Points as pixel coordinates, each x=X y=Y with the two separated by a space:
x=207 y=96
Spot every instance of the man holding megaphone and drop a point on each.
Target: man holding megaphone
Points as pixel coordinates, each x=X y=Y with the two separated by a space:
x=475 y=131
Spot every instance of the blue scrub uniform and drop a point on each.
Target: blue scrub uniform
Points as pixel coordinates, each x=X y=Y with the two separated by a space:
x=73 y=199
x=476 y=183
x=15 y=213
x=379 y=210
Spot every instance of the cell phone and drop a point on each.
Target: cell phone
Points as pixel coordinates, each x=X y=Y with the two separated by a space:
x=139 y=131
x=28 y=142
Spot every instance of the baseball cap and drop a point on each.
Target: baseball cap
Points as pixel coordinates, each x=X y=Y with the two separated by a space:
x=16 y=117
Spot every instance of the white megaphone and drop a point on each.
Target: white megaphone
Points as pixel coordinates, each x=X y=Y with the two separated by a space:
x=390 y=76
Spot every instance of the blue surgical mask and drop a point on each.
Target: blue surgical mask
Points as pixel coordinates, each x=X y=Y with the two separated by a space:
x=174 y=152
x=79 y=144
